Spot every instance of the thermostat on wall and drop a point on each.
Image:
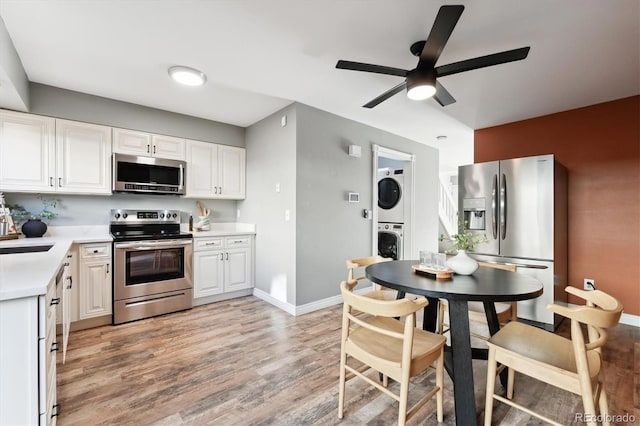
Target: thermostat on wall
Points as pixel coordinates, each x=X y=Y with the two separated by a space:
x=354 y=197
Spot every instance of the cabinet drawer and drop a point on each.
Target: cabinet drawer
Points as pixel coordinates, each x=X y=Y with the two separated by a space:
x=207 y=244
x=241 y=241
x=95 y=250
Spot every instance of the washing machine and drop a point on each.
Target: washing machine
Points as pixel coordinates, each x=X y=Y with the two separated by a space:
x=391 y=240
x=390 y=195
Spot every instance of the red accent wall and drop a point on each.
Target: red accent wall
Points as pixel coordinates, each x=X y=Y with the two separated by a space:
x=600 y=147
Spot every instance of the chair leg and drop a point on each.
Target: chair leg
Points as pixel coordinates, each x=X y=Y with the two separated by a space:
x=587 y=396
x=404 y=400
x=603 y=403
x=441 y=309
x=511 y=375
x=440 y=384
x=341 y=386
x=491 y=385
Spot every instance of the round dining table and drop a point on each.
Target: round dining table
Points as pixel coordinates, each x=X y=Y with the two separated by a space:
x=486 y=285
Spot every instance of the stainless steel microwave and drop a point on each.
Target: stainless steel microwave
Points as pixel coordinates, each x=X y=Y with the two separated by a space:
x=133 y=173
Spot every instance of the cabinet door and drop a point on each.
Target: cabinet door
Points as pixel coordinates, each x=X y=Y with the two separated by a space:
x=208 y=269
x=237 y=274
x=168 y=147
x=83 y=158
x=231 y=163
x=131 y=142
x=95 y=288
x=27 y=152
x=202 y=169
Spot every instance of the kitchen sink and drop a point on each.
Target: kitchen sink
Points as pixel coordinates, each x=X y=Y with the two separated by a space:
x=25 y=249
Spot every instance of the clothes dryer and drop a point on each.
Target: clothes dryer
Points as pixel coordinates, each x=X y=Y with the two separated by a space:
x=391 y=240
x=390 y=195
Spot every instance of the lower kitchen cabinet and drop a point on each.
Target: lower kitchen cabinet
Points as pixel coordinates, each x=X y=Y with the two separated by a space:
x=28 y=359
x=95 y=290
x=222 y=265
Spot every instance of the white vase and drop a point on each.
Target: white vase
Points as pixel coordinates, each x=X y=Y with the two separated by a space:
x=462 y=264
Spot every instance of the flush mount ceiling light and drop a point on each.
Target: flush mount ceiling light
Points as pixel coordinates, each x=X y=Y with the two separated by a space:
x=187 y=76
x=421 y=84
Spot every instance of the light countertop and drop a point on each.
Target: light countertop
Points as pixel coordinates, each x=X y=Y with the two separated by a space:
x=28 y=274
x=222 y=229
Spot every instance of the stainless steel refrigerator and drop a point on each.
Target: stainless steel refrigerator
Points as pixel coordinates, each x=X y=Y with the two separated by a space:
x=521 y=206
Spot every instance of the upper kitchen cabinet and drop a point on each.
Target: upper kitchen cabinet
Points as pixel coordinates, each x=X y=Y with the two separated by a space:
x=83 y=158
x=27 y=152
x=215 y=171
x=42 y=154
x=147 y=144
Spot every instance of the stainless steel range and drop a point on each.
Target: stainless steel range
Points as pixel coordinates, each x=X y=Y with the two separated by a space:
x=152 y=272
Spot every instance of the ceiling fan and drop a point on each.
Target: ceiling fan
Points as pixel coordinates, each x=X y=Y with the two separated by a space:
x=421 y=82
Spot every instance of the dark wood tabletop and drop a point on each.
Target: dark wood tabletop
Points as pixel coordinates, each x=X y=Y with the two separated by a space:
x=487 y=285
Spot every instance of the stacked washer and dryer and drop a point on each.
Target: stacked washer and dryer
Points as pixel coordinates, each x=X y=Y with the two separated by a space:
x=391 y=213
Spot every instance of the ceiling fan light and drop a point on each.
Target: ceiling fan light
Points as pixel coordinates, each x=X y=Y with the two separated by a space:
x=421 y=92
x=421 y=84
x=187 y=76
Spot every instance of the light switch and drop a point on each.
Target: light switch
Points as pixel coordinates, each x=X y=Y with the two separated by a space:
x=287 y=215
x=283 y=120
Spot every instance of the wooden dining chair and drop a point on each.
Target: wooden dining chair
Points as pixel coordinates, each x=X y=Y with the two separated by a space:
x=353 y=267
x=506 y=311
x=574 y=364
x=392 y=347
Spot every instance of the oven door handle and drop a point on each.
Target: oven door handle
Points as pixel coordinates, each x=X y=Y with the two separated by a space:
x=153 y=245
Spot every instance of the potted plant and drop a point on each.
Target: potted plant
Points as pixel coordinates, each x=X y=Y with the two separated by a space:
x=34 y=225
x=464 y=242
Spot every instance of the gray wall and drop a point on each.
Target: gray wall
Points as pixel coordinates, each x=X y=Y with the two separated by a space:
x=329 y=228
x=61 y=103
x=303 y=260
x=271 y=160
x=93 y=210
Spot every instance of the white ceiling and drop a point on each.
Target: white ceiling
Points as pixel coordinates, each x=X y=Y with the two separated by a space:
x=260 y=55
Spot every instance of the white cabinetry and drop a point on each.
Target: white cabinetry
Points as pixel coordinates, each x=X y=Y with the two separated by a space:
x=95 y=293
x=27 y=152
x=146 y=144
x=67 y=291
x=83 y=153
x=222 y=265
x=28 y=359
x=42 y=154
x=215 y=171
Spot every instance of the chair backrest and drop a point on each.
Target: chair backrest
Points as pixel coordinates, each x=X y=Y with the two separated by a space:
x=600 y=311
x=361 y=262
x=377 y=307
x=503 y=266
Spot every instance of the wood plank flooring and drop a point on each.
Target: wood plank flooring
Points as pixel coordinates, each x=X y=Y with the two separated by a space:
x=245 y=362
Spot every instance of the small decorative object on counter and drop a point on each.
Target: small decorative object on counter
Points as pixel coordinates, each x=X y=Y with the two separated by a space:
x=203 y=214
x=34 y=228
x=190 y=222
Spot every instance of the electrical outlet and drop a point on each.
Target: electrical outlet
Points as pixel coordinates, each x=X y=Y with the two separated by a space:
x=589 y=284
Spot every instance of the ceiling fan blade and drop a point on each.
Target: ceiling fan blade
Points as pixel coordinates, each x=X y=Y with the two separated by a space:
x=443 y=26
x=380 y=69
x=386 y=95
x=483 y=61
x=442 y=96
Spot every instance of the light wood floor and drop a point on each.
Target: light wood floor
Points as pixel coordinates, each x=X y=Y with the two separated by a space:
x=245 y=362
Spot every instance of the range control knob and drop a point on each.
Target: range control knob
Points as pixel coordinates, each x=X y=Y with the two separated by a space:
x=117 y=215
x=175 y=215
x=124 y=215
x=161 y=215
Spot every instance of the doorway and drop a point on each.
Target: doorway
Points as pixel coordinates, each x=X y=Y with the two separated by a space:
x=393 y=203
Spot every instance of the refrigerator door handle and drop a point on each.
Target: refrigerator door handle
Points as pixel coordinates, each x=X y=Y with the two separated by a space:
x=503 y=206
x=494 y=207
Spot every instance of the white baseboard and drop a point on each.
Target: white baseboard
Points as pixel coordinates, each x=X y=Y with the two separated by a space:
x=307 y=307
x=628 y=319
